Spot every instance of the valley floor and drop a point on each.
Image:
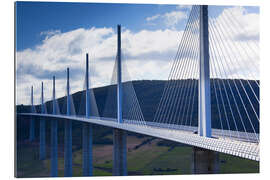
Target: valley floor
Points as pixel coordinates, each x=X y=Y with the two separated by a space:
x=144 y=157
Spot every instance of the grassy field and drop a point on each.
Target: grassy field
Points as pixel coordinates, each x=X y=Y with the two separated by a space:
x=142 y=159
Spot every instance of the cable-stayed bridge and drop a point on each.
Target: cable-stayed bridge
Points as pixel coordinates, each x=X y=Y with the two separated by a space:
x=210 y=101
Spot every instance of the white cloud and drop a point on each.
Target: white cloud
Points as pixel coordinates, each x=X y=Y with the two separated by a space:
x=144 y=49
x=240 y=25
x=172 y=18
x=234 y=38
x=152 y=18
x=247 y=22
x=184 y=7
x=49 y=33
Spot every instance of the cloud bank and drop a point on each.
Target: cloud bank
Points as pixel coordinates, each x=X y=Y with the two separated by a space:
x=145 y=50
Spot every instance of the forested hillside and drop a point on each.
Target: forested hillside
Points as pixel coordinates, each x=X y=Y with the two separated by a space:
x=149 y=94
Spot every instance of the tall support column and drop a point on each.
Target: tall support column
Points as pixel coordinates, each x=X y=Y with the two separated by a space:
x=204 y=161
x=204 y=81
x=119 y=136
x=68 y=136
x=54 y=143
x=42 y=136
x=32 y=121
x=119 y=76
x=87 y=131
x=119 y=153
x=87 y=149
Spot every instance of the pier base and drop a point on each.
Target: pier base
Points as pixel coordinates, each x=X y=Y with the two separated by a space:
x=87 y=149
x=54 y=148
x=119 y=153
x=204 y=161
x=68 y=149
x=32 y=130
x=42 y=140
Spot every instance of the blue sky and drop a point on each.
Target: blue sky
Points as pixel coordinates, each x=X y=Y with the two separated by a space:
x=53 y=36
x=36 y=17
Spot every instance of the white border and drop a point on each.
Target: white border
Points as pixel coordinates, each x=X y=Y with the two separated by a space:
x=7 y=86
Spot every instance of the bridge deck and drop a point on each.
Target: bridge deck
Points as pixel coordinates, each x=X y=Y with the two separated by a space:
x=229 y=145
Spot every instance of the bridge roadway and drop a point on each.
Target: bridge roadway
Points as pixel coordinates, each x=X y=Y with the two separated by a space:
x=228 y=144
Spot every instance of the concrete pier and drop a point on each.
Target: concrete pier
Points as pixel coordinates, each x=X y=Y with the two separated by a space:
x=119 y=77
x=87 y=149
x=42 y=135
x=119 y=153
x=204 y=161
x=87 y=131
x=32 y=121
x=54 y=148
x=119 y=136
x=54 y=138
x=68 y=149
x=42 y=140
x=68 y=136
x=204 y=125
x=32 y=129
